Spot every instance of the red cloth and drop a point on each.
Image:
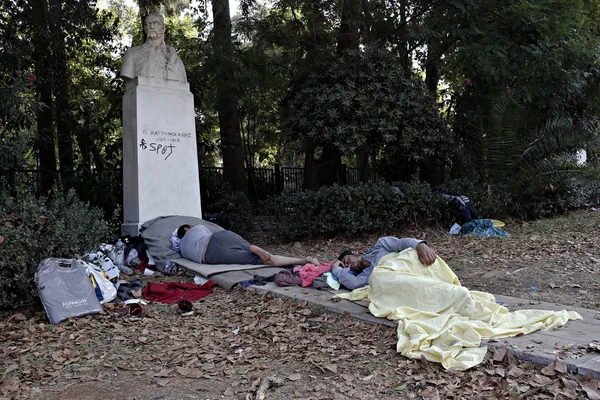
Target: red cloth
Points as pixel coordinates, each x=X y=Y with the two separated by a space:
x=310 y=272
x=170 y=292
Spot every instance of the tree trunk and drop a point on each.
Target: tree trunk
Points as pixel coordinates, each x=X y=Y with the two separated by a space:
x=61 y=92
x=227 y=98
x=309 y=168
x=362 y=163
x=432 y=73
x=403 y=41
x=45 y=139
x=348 y=35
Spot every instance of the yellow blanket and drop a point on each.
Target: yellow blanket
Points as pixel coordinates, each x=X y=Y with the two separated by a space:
x=440 y=319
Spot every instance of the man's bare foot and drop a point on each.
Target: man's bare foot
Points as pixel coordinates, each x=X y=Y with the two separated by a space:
x=312 y=260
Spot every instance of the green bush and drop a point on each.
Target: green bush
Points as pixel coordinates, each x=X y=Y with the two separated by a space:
x=34 y=229
x=239 y=213
x=353 y=209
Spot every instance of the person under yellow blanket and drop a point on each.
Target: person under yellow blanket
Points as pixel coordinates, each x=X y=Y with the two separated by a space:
x=437 y=317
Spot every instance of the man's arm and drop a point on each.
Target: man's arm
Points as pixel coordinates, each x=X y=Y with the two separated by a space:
x=393 y=244
x=349 y=280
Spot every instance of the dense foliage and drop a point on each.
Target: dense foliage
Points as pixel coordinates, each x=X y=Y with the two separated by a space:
x=365 y=101
x=35 y=229
x=499 y=95
x=356 y=209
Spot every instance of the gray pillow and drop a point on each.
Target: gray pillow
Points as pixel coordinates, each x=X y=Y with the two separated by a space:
x=157 y=231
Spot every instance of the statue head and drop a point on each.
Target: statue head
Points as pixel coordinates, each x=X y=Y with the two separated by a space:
x=154 y=26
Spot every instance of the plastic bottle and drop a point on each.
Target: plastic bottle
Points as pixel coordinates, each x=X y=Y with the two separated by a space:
x=120 y=257
x=119 y=254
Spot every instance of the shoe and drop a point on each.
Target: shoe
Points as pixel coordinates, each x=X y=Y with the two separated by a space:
x=185 y=308
x=134 y=311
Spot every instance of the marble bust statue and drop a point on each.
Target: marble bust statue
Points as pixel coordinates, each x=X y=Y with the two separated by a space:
x=153 y=59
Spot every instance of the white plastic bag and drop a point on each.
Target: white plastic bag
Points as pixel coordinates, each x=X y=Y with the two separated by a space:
x=107 y=289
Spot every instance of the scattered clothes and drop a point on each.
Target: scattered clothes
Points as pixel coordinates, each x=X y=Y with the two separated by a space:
x=309 y=272
x=462 y=202
x=332 y=281
x=170 y=268
x=175 y=241
x=438 y=318
x=482 y=228
x=455 y=229
x=170 y=292
x=135 y=250
x=320 y=283
x=288 y=278
x=125 y=290
x=103 y=261
x=258 y=280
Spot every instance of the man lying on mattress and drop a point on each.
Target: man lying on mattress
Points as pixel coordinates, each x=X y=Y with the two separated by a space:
x=225 y=247
x=353 y=269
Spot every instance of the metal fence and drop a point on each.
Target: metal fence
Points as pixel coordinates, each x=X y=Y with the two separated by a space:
x=30 y=178
x=263 y=182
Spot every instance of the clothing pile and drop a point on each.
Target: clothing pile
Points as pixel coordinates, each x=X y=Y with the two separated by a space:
x=70 y=288
x=308 y=275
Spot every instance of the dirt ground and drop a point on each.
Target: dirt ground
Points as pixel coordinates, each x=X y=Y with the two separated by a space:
x=554 y=260
x=238 y=340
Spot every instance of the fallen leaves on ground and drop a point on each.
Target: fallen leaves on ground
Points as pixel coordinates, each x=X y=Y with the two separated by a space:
x=342 y=358
x=316 y=355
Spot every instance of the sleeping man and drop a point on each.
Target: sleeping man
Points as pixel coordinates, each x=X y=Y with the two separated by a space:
x=225 y=247
x=353 y=269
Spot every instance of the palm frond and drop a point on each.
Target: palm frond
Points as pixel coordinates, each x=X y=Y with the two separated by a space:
x=559 y=135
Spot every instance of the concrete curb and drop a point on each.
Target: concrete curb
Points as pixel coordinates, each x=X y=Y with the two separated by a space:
x=540 y=347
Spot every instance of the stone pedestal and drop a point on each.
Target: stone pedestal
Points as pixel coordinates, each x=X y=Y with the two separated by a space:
x=160 y=158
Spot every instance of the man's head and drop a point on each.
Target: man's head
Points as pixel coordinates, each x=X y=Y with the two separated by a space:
x=154 y=26
x=182 y=230
x=351 y=259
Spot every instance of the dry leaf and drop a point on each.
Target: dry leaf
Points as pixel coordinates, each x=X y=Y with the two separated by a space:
x=294 y=377
x=183 y=371
x=332 y=367
x=430 y=393
x=11 y=368
x=19 y=317
x=589 y=386
x=560 y=366
x=549 y=370
x=515 y=372
x=163 y=382
x=543 y=380
x=499 y=354
x=11 y=385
